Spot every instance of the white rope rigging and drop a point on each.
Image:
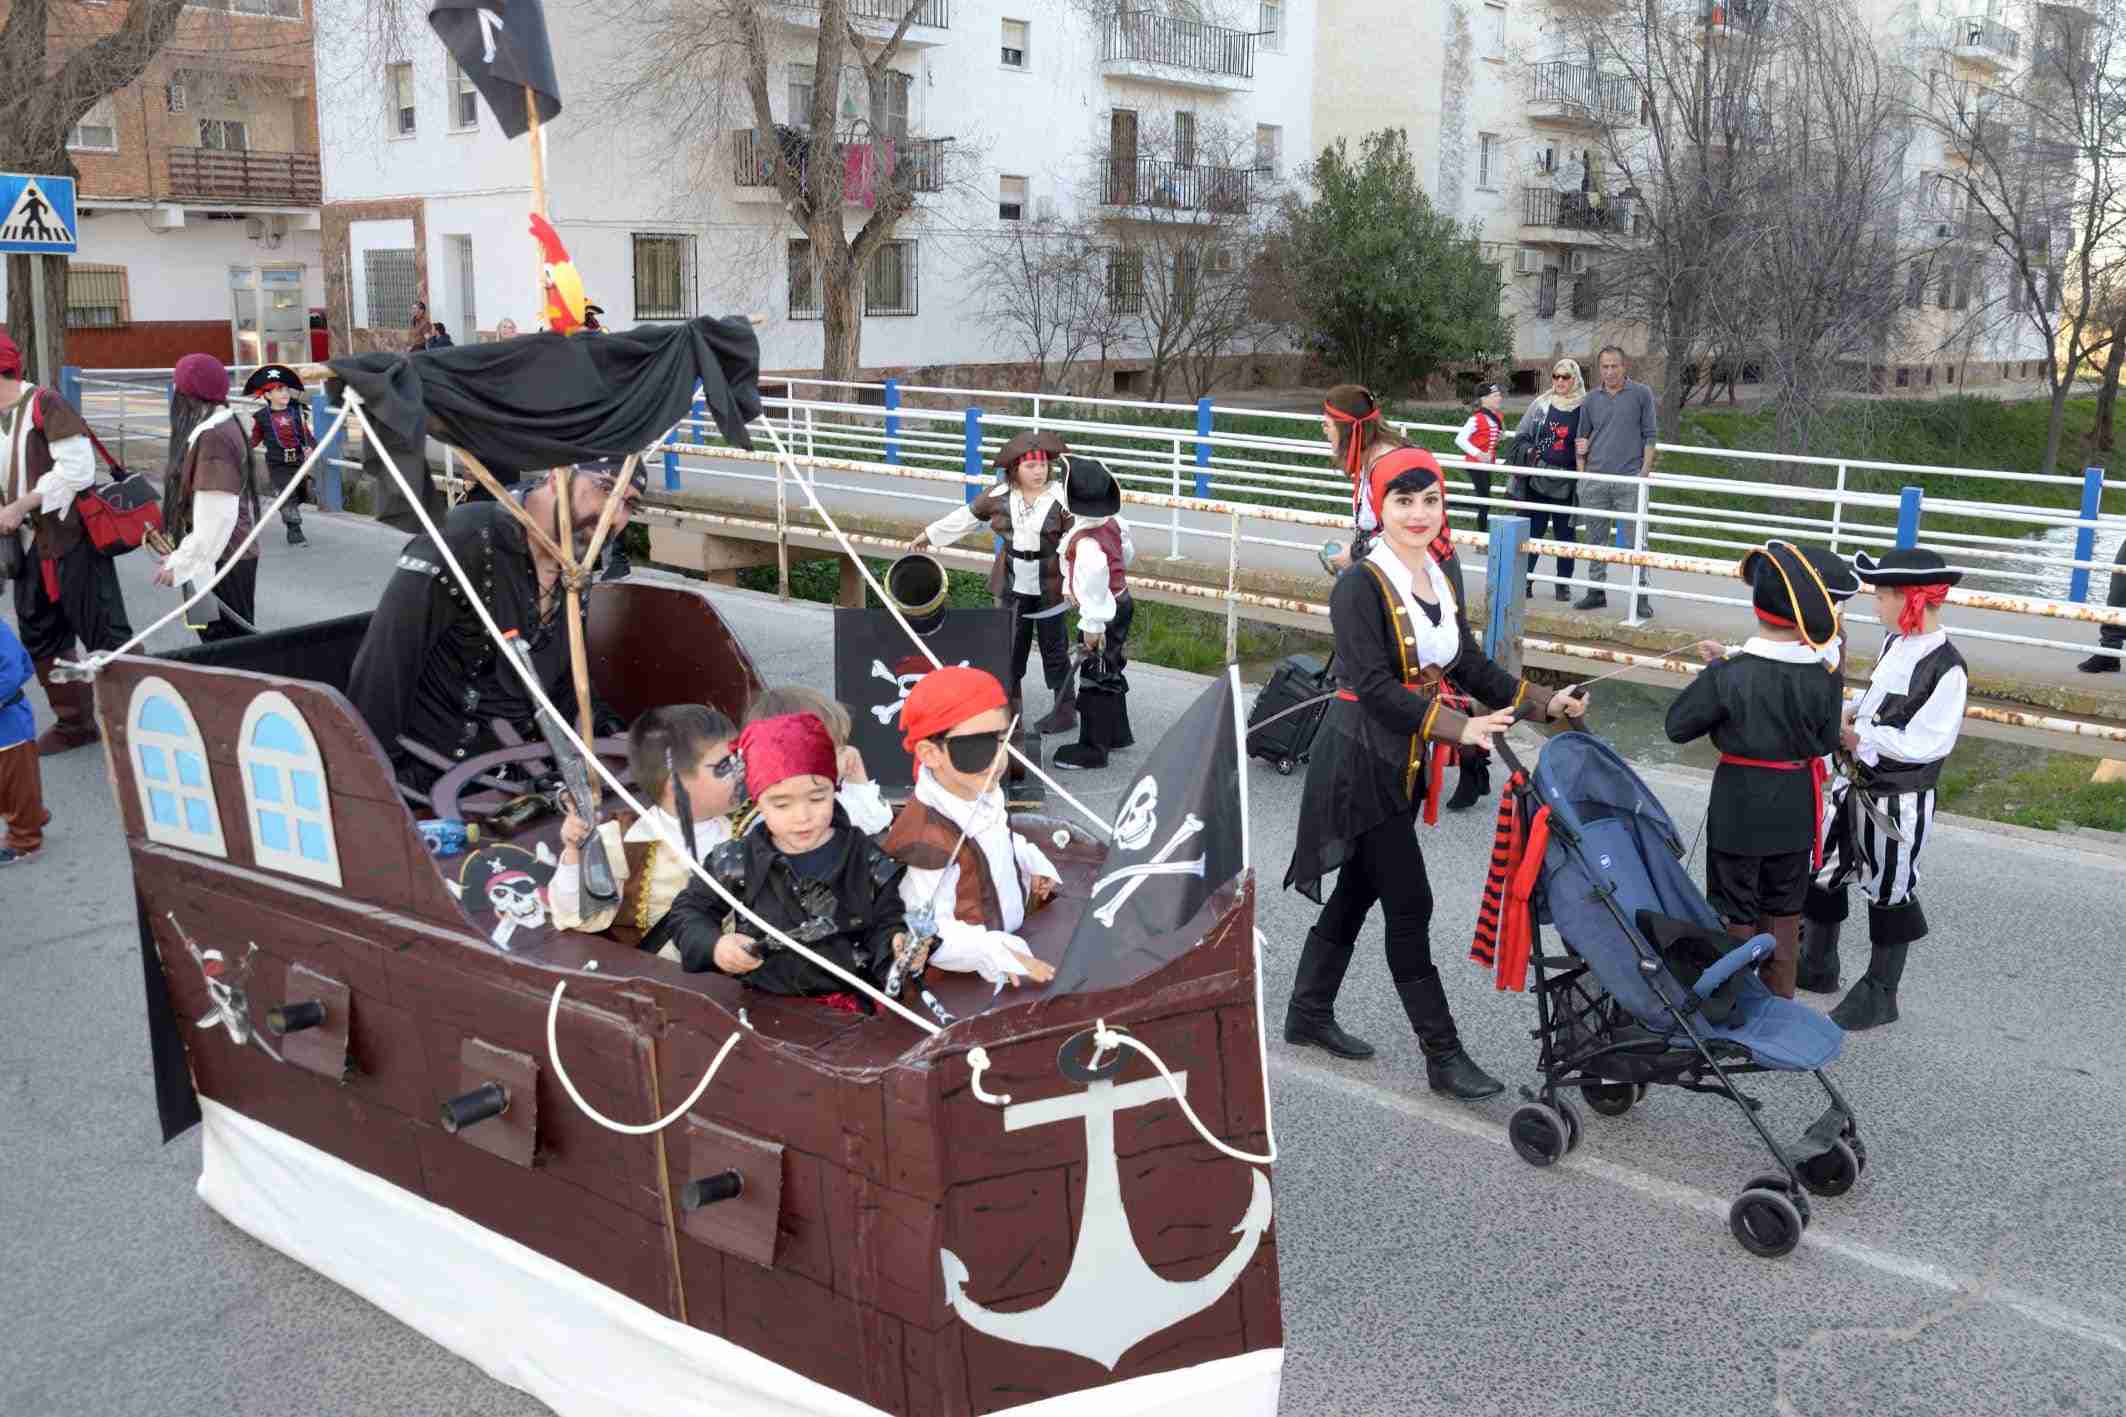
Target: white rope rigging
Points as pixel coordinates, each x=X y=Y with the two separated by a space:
x=553 y=1051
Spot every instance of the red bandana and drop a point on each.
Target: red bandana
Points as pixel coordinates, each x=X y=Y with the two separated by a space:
x=785 y=746
x=1394 y=465
x=944 y=699
x=10 y=359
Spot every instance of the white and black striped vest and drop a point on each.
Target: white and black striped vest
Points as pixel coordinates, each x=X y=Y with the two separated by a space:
x=1897 y=710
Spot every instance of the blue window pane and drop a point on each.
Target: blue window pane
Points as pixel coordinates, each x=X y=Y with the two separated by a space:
x=159 y=715
x=312 y=838
x=198 y=820
x=306 y=790
x=273 y=830
x=266 y=783
x=275 y=731
x=154 y=764
x=190 y=770
x=162 y=806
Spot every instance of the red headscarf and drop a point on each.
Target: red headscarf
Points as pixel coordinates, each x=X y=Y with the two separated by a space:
x=10 y=358
x=1403 y=462
x=944 y=699
x=1918 y=600
x=785 y=746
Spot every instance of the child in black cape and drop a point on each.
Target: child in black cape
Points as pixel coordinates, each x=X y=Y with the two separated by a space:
x=1095 y=561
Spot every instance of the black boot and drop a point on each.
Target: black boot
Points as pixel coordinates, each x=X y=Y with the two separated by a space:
x=1472 y=785
x=1593 y=600
x=1311 y=1016
x=1819 y=956
x=1563 y=591
x=1447 y=1067
x=2100 y=664
x=295 y=534
x=1873 y=1001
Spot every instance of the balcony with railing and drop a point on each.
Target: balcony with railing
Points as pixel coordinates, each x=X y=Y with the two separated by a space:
x=1978 y=39
x=869 y=168
x=1192 y=191
x=1575 y=218
x=1187 y=53
x=1580 y=93
x=933 y=18
x=248 y=178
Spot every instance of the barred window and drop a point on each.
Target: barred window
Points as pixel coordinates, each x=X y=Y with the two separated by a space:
x=804 y=282
x=1125 y=282
x=664 y=277
x=890 y=280
x=1546 y=294
x=392 y=285
x=96 y=297
x=1586 y=298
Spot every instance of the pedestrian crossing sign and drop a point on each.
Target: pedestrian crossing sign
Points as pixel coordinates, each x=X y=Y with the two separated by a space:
x=39 y=214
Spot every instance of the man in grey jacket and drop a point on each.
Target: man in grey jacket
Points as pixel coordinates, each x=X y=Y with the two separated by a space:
x=1617 y=432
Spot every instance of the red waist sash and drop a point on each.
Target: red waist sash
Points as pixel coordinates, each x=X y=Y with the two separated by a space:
x=1818 y=774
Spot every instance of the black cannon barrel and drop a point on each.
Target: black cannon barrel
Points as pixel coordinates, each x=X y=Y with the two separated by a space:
x=489 y=1099
x=295 y=1017
x=707 y=1190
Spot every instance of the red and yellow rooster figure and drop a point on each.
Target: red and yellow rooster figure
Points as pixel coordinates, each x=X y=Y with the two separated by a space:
x=564 y=288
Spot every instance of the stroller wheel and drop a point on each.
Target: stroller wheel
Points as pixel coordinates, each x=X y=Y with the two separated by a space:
x=1612 y=1099
x=1771 y=1181
x=1574 y=1126
x=1833 y=1173
x=1766 y=1223
x=1538 y=1133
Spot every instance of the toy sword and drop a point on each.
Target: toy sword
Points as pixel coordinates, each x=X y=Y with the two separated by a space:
x=598 y=881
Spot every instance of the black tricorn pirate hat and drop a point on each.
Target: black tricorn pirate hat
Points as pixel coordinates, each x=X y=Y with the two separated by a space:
x=1089 y=489
x=267 y=375
x=1906 y=567
x=1030 y=441
x=1799 y=587
x=612 y=468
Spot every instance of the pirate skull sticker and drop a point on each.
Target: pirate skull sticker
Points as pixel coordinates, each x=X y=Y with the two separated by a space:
x=511 y=884
x=1140 y=816
x=903 y=676
x=226 y=988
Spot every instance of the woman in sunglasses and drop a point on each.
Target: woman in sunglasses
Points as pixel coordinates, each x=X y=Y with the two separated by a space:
x=1547 y=444
x=1411 y=677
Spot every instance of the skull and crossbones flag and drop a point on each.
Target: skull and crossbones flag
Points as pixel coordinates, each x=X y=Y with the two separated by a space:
x=501 y=45
x=1179 y=836
x=876 y=665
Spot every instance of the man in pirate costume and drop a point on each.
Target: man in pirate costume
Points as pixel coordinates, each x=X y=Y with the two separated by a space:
x=64 y=591
x=209 y=500
x=1894 y=741
x=428 y=679
x=283 y=430
x=1772 y=711
x=970 y=873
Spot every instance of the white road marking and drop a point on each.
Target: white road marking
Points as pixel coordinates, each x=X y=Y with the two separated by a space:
x=2043 y=1312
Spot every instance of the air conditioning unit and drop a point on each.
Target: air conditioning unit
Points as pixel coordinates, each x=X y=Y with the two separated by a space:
x=1527 y=262
x=1581 y=263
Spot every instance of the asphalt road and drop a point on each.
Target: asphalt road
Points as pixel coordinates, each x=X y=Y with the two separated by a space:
x=1976 y=1268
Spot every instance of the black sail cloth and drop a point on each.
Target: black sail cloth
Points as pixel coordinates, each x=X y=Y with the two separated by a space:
x=501 y=45
x=542 y=400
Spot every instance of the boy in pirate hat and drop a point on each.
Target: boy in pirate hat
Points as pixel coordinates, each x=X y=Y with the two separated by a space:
x=1895 y=740
x=284 y=432
x=969 y=873
x=1095 y=556
x=804 y=870
x=1772 y=711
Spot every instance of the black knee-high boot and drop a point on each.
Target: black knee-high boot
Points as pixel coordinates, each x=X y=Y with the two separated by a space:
x=1872 y=1002
x=1311 y=1016
x=1822 y=920
x=1447 y=1067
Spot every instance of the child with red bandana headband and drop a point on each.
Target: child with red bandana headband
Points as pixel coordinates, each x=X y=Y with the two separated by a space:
x=803 y=868
x=1896 y=739
x=969 y=873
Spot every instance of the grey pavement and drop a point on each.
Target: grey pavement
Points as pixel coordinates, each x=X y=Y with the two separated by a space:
x=1976 y=1269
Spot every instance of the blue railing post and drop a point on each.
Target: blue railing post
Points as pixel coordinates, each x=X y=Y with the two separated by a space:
x=973 y=463
x=1506 y=591
x=327 y=479
x=1203 y=447
x=893 y=421
x=70 y=384
x=1908 y=518
x=2085 y=534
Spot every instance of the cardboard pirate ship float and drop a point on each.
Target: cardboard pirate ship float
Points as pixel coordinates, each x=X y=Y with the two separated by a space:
x=852 y=1217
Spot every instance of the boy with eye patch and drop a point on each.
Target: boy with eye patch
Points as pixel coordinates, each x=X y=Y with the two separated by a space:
x=968 y=871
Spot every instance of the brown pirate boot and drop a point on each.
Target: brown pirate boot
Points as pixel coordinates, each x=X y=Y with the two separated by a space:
x=73 y=713
x=1780 y=971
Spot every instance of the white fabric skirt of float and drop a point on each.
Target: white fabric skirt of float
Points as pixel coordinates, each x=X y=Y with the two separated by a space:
x=579 y=1347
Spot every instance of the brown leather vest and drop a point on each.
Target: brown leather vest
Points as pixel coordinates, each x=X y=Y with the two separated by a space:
x=924 y=839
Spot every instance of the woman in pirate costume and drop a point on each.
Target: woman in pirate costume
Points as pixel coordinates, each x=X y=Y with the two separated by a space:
x=1026 y=512
x=1400 y=635
x=1894 y=741
x=209 y=500
x=282 y=429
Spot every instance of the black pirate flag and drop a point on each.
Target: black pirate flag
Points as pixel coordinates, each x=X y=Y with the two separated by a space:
x=1180 y=834
x=501 y=45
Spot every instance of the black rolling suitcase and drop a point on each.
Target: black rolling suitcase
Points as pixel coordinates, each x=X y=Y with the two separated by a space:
x=1288 y=741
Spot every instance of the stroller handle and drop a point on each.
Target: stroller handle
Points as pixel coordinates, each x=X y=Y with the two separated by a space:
x=1505 y=751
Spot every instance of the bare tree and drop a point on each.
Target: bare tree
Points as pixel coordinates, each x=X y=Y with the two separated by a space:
x=1043 y=287
x=48 y=81
x=2038 y=175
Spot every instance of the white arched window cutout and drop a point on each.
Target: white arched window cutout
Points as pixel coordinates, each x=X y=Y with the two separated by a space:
x=286 y=800
x=170 y=768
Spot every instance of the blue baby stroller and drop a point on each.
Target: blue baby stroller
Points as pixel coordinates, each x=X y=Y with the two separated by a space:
x=1615 y=1015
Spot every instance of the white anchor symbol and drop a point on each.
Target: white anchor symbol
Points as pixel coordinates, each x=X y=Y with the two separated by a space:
x=1111 y=1300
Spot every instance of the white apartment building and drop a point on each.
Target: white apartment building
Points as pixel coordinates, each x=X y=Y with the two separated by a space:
x=1509 y=130
x=1009 y=111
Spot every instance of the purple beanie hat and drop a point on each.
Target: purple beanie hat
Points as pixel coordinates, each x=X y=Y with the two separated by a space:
x=201 y=376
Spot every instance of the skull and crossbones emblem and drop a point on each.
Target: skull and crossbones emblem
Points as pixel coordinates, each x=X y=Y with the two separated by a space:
x=903 y=676
x=1140 y=815
x=513 y=883
x=226 y=989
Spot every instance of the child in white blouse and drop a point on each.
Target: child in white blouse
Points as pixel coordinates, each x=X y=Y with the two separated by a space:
x=859 y=796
